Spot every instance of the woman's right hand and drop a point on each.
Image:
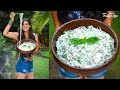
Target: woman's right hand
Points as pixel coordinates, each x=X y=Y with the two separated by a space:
x=12 y=15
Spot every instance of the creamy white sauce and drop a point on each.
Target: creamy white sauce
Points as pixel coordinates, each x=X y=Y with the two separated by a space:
x=85 y=55
x=26 y=46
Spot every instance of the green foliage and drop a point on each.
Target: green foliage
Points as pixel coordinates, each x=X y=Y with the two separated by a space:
x=2 y=39
x=39 y=20
x=5 y=46
x=116 y=23
x=44 y=35
x=77 y=41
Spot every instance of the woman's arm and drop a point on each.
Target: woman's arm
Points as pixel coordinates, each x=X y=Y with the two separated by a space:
x=6 y=32
x=37 y=45
x=55 y=19
x=108 y=20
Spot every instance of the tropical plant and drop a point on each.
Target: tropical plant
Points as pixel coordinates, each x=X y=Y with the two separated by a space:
x=39 y=20
x=4 y=43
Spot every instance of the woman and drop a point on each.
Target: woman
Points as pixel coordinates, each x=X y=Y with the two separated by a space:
x=24 y=66
x=61 y=17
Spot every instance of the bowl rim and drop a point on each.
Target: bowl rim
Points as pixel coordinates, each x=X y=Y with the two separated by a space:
x=98 y=67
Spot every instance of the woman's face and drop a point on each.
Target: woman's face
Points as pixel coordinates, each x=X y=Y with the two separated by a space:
x=26 y=26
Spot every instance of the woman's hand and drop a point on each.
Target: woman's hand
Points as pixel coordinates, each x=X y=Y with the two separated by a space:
x=12 y=15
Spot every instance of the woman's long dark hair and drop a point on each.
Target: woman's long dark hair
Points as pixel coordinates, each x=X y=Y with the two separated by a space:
x=65 y=16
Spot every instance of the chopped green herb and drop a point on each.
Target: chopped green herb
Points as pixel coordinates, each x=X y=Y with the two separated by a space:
x=77 y=41
x=28 y=46
x=24 y=45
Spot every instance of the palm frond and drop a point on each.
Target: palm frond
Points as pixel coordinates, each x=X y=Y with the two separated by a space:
x=39 y=20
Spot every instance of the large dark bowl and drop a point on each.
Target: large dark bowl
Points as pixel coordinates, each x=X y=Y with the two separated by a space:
x=77 y=23
x=26 y=40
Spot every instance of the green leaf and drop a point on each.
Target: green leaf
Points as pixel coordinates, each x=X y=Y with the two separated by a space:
x=39 y=20
x=77 y=41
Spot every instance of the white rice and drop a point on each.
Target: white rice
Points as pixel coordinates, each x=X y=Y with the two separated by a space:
x=26 y=46
x=85 y=55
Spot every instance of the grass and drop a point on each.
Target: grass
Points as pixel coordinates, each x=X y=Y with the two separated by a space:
x=41 y=67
